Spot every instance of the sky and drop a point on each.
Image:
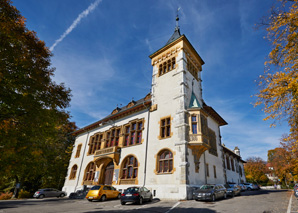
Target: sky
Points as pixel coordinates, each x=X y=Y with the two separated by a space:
x=101 y=47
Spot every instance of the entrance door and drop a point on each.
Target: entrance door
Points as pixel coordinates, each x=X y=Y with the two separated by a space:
x=109 y=171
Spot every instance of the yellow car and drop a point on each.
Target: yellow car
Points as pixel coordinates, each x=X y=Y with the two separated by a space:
x=102 y=192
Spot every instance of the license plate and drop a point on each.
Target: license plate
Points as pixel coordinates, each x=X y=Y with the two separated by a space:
x=128 y=195
x=90 y=197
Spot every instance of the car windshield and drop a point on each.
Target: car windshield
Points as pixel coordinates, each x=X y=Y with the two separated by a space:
x=95 y=188
x=207 y=187
x=132 y=190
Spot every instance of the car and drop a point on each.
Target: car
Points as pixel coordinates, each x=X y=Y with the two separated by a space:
x=296 y=187
x=102 y=192
x=233 y=189
x=49 y=192
x=210 y=192
x=255 y=186
x=243 y=187
x=249 y=186
x=136 y=194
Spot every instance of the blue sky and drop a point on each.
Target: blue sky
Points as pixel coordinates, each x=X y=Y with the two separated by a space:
x=101 y=48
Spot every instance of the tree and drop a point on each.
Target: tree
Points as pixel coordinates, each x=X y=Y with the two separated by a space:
x=279 y=84
x=255 y=170
x=34 y=125
x=284 y=159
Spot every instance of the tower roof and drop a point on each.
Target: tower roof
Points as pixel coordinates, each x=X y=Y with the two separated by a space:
x=175 y=36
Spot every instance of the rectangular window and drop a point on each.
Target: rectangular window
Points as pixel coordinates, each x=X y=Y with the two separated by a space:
x=167 y=66
x=194 y=124
x=78 y=151
x=165 y=127
x=207 y=169
x=214 y=169
x=133 y=133
x=212 y=142
x=113 y=137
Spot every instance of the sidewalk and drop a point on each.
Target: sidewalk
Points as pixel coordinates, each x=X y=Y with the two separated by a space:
x=294 y=207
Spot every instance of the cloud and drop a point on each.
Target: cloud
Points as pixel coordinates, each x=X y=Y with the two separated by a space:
x=76 y=22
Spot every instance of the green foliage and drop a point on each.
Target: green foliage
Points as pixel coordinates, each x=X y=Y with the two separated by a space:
x=34 y=126
x=25 y=194
x=5 y=196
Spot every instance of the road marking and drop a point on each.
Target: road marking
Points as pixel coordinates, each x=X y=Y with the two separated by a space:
x=290 y=204
x=173 y=207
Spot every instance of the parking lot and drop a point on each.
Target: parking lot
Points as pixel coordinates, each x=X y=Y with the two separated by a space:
x=268 y=201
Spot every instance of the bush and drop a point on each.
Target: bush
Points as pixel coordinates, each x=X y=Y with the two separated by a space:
x=6 y=196
x=24 y=194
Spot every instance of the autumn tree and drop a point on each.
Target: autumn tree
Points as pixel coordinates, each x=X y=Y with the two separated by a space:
x=34 y=126
x=279 y=84
x=255 y=170
x=284 y=160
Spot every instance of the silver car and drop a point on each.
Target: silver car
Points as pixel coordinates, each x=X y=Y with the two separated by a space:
x=49 y=192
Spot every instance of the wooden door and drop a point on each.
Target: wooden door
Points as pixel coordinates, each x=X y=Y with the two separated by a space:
x=109 y=172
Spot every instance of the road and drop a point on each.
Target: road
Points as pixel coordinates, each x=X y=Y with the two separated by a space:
x=263 y=201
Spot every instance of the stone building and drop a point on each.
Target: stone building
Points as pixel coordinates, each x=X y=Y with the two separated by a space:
x=168 y=141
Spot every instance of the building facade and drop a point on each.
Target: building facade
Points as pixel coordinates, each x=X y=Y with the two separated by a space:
x=168 y=141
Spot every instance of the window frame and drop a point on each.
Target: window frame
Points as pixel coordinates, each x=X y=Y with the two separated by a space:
x=127 y=165
x=133 y=133
x=166 y=127
x=89 y=169
x=73 y=172
x=167 y=66
x=78 y=152
x=161 y=162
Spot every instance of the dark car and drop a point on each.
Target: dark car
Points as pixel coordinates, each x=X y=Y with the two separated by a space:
x=49 y=192
x=210 y=192
x=136 y=194
x=233 y=189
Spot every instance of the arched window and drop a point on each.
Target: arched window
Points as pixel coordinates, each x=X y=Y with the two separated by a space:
x=165 y=162
x=129 y=168
x=73 y=172
x=90 y=172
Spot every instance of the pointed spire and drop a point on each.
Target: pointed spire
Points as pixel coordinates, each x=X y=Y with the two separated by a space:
x=176 y=33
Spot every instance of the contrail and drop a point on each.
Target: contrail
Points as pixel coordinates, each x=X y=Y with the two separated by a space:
x=76 y=22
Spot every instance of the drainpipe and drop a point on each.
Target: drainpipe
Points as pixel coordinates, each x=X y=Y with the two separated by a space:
x=205 y=168
x=82 y=161
x=146 y=148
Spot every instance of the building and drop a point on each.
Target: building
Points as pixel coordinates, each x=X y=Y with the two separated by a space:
x=168 y=141
x=233 y=165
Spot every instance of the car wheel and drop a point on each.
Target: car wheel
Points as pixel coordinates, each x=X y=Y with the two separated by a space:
x=89 y=200
x=213 y=198
x=122 y=203
x=239 y=194
x=151 y=198
x=119 y=196
x=141 y=201
x=103 y=198
x=62 y=195
x=225 y=195
x=233 y=194
x=41 y=196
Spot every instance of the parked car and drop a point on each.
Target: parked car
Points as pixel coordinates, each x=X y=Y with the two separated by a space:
x=49 y=192
x=233 y=189
x=136 y=194
x=249 y=186
x=210 y=192
x=296 y=187
x=243 y=187
x=102 y=192
x=255 y=186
